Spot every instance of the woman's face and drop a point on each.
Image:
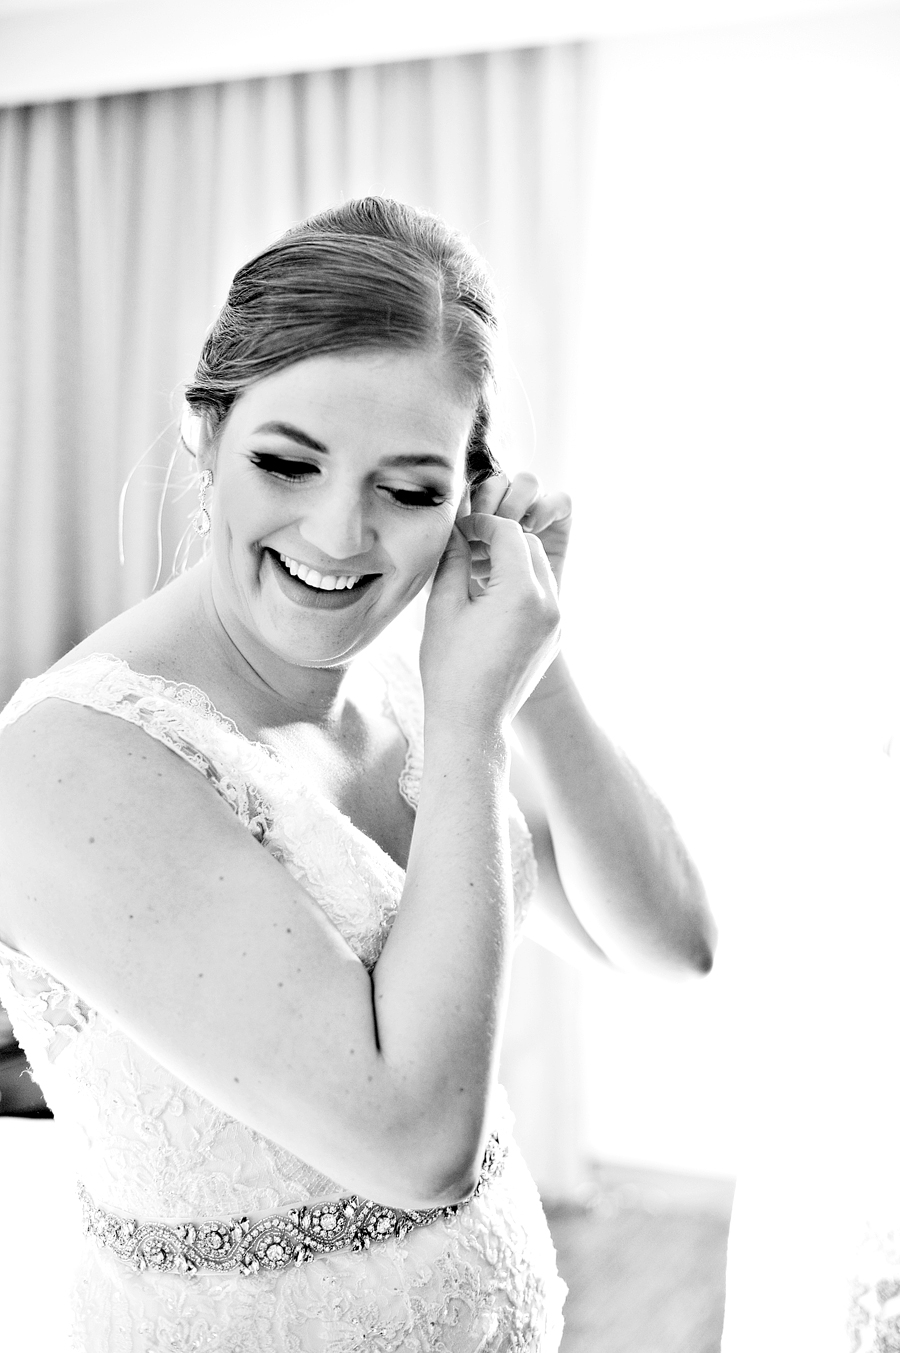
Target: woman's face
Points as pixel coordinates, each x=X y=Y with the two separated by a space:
x=337 y=481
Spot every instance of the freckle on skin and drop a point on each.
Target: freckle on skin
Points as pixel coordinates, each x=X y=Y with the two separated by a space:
x=90 y=840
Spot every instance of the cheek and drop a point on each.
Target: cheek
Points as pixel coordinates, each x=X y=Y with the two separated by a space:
x=422 y=550
x=247 y=516
x=434 y=541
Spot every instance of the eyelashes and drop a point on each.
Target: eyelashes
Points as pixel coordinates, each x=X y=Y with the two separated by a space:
x=416 y=497
x=282 y=467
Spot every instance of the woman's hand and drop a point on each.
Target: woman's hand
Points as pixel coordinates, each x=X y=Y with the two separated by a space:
x=486 y=644
x=545 y=515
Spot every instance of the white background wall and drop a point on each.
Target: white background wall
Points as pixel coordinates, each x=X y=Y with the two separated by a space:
x=738 y=557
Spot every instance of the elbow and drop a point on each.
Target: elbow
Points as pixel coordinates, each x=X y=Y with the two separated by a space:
x=707 y=941
x=702 y=958
x=439 y=1168
x=687 y=952
x=449 y=1175
x=698 y=950
x=696 y=935
x=449 y=1183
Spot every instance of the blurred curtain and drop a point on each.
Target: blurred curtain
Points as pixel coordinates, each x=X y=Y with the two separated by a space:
x=122 y=220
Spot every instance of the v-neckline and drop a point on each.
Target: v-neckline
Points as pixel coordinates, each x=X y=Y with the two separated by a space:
x=198 y=699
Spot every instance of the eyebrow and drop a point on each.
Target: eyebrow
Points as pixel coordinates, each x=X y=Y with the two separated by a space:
x=419 y=458
x=295 y=434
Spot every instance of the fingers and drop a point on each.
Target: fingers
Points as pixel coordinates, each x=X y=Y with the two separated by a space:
x=488 y=496
x=503 y=497
x=454 y=568
x=523 y=500
x=520 y=498
x=543 y=572
x=509 y=550
x=487 y=529
x=552 y=514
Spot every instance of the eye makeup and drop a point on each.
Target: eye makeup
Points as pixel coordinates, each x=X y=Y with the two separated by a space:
x=291 y=469
x=285 y=467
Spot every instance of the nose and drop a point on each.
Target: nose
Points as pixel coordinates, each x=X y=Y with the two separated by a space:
x=336 y=522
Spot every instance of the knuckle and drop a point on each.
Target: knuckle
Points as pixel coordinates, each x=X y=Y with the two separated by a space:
x=528 y=481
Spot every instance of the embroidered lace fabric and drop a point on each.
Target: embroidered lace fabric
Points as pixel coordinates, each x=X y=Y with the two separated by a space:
x=146 y=1145
x=277 y=1240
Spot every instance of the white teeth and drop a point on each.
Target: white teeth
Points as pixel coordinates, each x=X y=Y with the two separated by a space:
x=328 y=582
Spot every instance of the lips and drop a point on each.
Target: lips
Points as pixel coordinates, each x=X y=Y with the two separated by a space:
x=310 y=587
x=323 y=582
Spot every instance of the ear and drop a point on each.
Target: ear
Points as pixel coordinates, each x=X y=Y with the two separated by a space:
x=189 y=429
x=205 y=442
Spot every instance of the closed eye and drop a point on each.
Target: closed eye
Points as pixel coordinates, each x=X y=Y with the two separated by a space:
x=417 y=497
x=289 y=468
x=283 y=467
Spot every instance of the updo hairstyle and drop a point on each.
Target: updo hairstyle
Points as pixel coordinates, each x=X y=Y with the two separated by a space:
x=370 y=275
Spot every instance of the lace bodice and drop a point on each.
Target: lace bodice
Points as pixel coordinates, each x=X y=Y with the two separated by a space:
x=147 y=1145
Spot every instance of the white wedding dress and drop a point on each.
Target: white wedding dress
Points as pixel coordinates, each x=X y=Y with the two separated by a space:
x=149 y=1147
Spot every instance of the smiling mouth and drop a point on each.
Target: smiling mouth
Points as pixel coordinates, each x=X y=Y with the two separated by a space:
x=321 y=584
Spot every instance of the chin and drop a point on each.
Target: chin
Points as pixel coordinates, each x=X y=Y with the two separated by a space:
x=314 y=646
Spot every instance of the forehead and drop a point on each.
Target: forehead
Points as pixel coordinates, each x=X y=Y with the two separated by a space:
x=377 y=399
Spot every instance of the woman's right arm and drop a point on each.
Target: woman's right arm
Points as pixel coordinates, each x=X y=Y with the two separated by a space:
x=132 y=881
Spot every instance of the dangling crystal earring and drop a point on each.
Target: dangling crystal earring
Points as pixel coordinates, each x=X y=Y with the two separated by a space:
x=202 y=522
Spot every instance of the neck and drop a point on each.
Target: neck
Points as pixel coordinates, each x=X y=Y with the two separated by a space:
x=286 y=691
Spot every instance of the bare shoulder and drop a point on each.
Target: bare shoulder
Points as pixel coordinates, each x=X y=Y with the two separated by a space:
x=59 y=748
x=82 y=791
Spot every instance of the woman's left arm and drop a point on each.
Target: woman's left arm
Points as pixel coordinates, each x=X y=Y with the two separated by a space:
x=621 y=864
x=622 y=868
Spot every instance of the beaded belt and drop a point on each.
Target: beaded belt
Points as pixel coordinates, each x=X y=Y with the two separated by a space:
x=275 y=1242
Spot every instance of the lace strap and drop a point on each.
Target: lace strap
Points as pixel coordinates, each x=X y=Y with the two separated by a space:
x=179 y=716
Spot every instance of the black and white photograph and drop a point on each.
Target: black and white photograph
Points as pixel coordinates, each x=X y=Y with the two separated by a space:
x=449 y=676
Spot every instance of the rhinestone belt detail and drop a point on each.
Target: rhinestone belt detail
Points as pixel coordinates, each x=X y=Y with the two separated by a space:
x=276 y=1241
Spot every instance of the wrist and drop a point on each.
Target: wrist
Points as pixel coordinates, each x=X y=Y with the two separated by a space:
x=465 y=722
x=466 y=737
x=556 y=684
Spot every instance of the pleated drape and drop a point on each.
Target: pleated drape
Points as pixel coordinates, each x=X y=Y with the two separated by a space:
x=122 y=220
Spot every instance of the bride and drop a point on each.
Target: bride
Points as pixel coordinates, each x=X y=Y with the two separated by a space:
x=263 y=872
